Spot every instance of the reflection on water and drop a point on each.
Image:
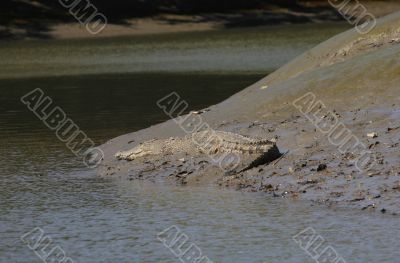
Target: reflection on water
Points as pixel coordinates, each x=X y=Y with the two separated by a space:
x=238 y=50
x=102 y=106
x=95 y=220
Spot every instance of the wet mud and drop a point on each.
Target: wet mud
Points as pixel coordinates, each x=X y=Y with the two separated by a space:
x=334 y=115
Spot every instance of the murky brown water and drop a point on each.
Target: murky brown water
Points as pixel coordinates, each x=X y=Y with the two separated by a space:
x=95 y=220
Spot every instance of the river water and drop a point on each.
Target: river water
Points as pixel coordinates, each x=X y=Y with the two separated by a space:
x=109 y=88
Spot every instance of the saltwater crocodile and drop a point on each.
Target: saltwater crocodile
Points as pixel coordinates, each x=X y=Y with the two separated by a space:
x=232 y=152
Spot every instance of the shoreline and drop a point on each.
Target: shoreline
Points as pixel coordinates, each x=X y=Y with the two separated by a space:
x=309 y=12
x=336 y=72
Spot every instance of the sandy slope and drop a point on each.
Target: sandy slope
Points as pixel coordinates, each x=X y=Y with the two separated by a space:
x=356 y=77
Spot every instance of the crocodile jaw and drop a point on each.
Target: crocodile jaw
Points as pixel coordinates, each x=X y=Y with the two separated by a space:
x=132 y=154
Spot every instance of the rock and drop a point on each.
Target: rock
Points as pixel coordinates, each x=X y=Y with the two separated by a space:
x=392 y=129
x=321 y=167
x=200 y=111
x=372 y=135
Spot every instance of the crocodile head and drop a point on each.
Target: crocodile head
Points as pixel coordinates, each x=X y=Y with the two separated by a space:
x=132 y=154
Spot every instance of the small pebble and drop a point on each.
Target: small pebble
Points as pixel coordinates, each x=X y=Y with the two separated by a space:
x=321 y=167
x=372 y=135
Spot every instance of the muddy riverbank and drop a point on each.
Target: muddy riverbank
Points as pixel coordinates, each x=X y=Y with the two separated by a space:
x=18 y=26
x=353 y=80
